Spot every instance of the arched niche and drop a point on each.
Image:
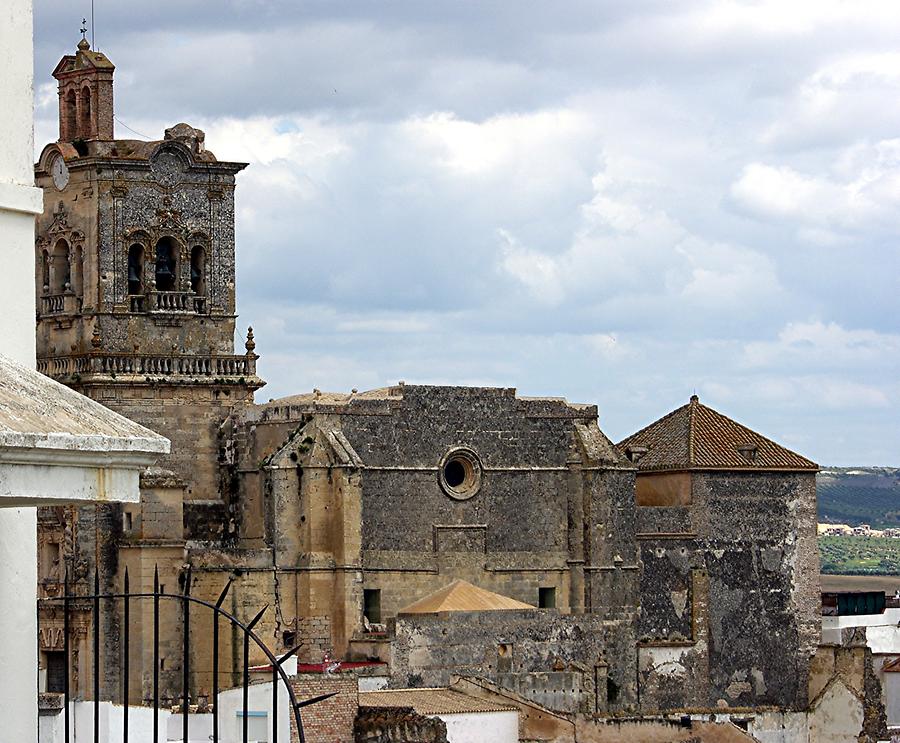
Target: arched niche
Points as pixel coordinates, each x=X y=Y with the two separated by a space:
x=198 y=270
x=136 y=269
x=166 y=254
x=60 y=270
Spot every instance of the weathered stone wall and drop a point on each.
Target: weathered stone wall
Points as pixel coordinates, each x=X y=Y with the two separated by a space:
x=752 y=537
x=554 y=509
x=398 y=725
x=114 y=200
x=554 y=660
x=190 y=417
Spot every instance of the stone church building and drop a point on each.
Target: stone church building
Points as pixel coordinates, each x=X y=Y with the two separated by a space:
x=675 y=571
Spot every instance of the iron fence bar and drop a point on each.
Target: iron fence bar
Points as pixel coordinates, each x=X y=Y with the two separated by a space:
x=96 y=659
x=66 y=653
x=295 y=705
x=246 y=720
x=275 y=681
x=186 y=660
x=125 y=663
x=246 y=695
x=156 y=654
x=215 y=698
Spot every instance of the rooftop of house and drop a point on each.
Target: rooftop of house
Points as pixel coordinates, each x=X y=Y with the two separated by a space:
x=696 y=437
x=434 y=701
x=461 y=595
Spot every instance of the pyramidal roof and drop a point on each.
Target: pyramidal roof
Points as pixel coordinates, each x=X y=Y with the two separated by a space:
x=463 y=596
x=695 y=436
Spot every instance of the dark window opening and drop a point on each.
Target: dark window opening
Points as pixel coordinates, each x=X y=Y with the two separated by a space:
x=460 y=474
x=547 y=597
x=45 y=270
x=61 y=269
x=372 y=605
x=198 y=270
x=455 y=473
x=165 y=265
x=136 y=269
x=71 y=115
x=56 y=671
x=612 y=690
x=86 y=112
x=129 y=521
x=289 y=639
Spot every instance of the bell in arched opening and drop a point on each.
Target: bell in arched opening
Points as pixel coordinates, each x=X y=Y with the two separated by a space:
x=166 y=265
x=136 y=269
x=198 y=270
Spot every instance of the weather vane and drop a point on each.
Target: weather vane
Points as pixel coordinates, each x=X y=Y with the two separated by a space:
x=83 y=28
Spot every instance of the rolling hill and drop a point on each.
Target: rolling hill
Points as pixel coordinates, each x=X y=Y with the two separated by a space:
x=859 y=495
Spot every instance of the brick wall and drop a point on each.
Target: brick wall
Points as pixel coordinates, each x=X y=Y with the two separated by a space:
x=330 y=721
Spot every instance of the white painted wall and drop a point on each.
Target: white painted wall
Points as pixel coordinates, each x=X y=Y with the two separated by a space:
x=231 y=702
x=112 y=716
x=19 y=202
x=478 y=727
x=890 y=684
x=780 y=727
x=199 y=728
x=19 y=199
x=837 y=716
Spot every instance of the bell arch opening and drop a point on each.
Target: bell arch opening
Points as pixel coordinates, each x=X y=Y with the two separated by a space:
x=166 y=265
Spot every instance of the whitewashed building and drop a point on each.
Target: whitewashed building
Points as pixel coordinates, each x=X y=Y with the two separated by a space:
x=55 y=445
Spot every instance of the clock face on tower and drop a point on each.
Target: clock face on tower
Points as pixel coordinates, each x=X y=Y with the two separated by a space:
x=60 y=172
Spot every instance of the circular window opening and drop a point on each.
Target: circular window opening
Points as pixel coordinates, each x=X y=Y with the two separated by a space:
x=460 y=474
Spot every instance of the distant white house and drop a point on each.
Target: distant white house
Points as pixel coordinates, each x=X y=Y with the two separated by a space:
x=55 y=445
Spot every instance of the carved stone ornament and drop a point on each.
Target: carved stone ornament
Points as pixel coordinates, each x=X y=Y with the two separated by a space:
x=167 y=167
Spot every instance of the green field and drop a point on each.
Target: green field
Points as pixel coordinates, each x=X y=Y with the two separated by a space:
x=859 y=556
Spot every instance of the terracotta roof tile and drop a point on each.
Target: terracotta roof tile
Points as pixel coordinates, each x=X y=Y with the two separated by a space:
x=430 y=701
x=463 y=596
x=695 y=436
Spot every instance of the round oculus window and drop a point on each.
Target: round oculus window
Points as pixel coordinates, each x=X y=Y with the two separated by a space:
x=460 y=473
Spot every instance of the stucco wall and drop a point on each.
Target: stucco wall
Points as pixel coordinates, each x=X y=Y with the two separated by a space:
x=497 y=727
x=18 y=204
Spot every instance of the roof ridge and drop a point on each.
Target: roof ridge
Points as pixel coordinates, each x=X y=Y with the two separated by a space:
x=646 y=428
x=692 y=424
x=754 y=435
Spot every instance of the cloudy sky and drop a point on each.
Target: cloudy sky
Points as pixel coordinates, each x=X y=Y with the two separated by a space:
x=615 y=202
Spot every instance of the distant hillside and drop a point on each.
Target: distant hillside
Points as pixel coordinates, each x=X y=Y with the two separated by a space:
x=859 y=495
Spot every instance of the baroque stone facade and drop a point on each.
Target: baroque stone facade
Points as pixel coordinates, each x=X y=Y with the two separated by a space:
x=675 y=572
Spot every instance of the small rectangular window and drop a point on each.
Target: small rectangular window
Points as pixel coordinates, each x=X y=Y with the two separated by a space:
x=56 y=671
x=128 y=521
x=372 y=605
x=289 y=639
x=547 y=597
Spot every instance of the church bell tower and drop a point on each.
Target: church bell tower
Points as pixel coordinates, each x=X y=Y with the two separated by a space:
x=135 y=269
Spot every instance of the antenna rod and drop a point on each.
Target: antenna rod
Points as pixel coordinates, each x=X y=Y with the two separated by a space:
x=93 y=32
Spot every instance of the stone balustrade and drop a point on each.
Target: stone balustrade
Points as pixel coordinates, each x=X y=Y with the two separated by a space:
x=60 y=304
x=175 y=366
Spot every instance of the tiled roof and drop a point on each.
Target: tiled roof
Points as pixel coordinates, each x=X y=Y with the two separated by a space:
x=695 y=436
x=430 y=701
x=892 y=666
x=463 y=596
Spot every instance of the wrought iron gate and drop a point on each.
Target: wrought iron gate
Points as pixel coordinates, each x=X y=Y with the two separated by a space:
x=186 y=600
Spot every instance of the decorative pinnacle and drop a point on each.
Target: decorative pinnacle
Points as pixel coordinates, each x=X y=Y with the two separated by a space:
x=250 y=345
x=83 y=44
x=96 y=340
